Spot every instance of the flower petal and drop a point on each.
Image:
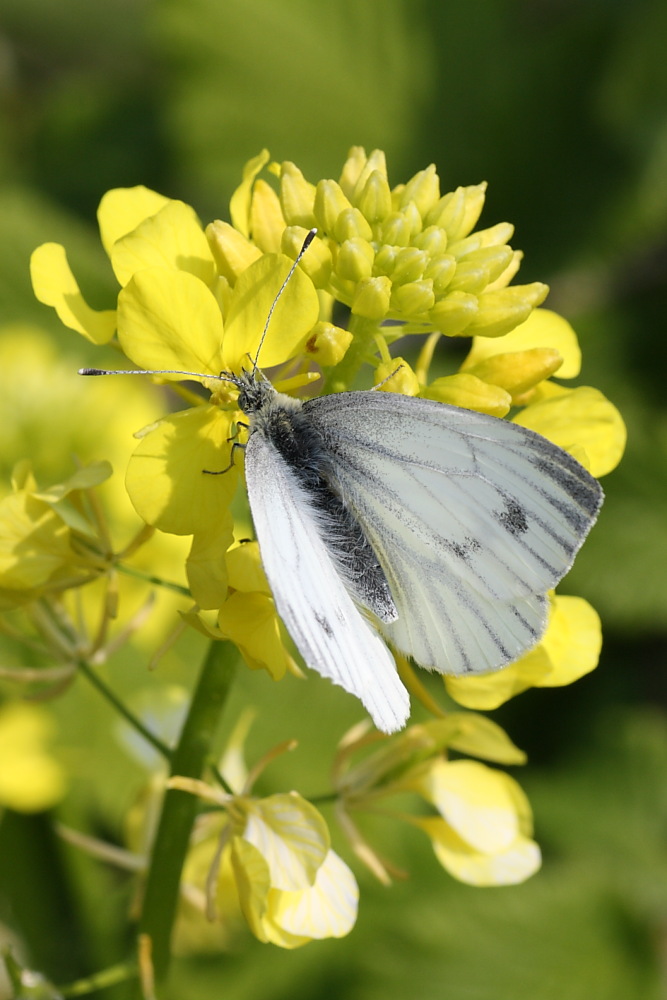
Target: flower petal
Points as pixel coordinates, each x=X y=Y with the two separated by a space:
x=253 y=296
x=169 y=319
x=542 y=329
x=469 y=392
x=55 y=285
x=251 y=873
x=488 y=691
x=326 y=909
x=173 y=238
x=475 y=801
x=244 y=565
x=206 y=566
x=251 y=622
x=122 y=209
x=478 y=736
x=572 y=642
x=509 y=867
x=583 y=422
x=241 y=200
x=165 y=476
x=291 y=836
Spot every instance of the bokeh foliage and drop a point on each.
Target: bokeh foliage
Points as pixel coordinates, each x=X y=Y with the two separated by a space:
x=562 y=107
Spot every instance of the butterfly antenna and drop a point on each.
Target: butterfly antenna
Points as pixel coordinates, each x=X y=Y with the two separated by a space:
x=161 y=371
x=306 y=243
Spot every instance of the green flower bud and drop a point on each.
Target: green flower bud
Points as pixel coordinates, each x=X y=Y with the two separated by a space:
x=423 y=190
x=351 y=224
x=375 y=200
x=372 y=297
x=413 y=299
x=440 y=271
x=433 y=240
x=354 y=260
x=454 y=313
x=410 y=265
x=297 y=197
x=499 y=312
x=385 y=260
x=329 y=203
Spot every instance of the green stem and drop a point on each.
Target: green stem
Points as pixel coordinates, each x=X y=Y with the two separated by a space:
x=100 y=980
x=123 y=710
x=149 y=578
x=180 y=808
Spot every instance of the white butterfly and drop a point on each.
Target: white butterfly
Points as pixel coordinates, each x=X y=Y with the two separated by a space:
x=437 y=528
x=382 y=516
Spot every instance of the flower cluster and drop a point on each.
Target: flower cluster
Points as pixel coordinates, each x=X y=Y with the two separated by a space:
x=395 y=262
x=196 y=300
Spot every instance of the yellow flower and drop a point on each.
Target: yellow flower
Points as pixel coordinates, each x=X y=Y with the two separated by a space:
x=403 y=259
x=31 y=779
x=483 y=832
x=285 y=879
x=48 y=543
x=569 y=649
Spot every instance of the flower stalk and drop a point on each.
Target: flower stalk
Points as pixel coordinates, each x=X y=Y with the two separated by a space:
x=180 y=809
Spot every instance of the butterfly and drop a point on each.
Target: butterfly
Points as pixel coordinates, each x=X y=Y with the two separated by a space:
x=386 y=520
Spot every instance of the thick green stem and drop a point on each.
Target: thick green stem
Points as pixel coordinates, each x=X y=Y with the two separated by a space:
x=180 y=808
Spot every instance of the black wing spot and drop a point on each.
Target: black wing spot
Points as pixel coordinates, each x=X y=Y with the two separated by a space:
x=513 y=518
x=463 y=550
x=324 y=625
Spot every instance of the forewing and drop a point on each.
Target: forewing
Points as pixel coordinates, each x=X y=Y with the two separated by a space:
x=329 y=631
x=473 y=518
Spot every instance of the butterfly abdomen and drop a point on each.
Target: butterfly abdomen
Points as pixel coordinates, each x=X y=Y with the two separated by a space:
x=303 y=449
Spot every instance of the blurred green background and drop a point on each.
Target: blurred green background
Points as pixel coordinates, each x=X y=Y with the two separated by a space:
x=562 y=107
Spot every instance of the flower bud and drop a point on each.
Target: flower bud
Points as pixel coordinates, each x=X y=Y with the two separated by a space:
x=371 y=298
x=297 y=196
x=454 y=313
x=354 y=260
x=329 y=203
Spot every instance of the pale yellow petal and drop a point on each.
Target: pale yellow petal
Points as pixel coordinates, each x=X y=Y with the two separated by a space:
x=241 y=200
x=295 y=314
x=205 y=566
x=488 y=691
x=55 y=285
x=173 y=239
x=291 y=836
x=233 y=252
x=542 y=329
x=267 y=222
x=251 y=622
x=324 y=910
x=34 y=542
x=170 y=319
x=583 y=422
x=167 y=476
x=469 y=392
x=479 y=736
x=122 y=209
x=572 y=642
x=244 y=565
x=514 y=865
x=474 y=801
x=251 y=874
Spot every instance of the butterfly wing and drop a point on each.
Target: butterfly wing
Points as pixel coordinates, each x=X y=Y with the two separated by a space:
x=328 y=629
x=473 y=519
